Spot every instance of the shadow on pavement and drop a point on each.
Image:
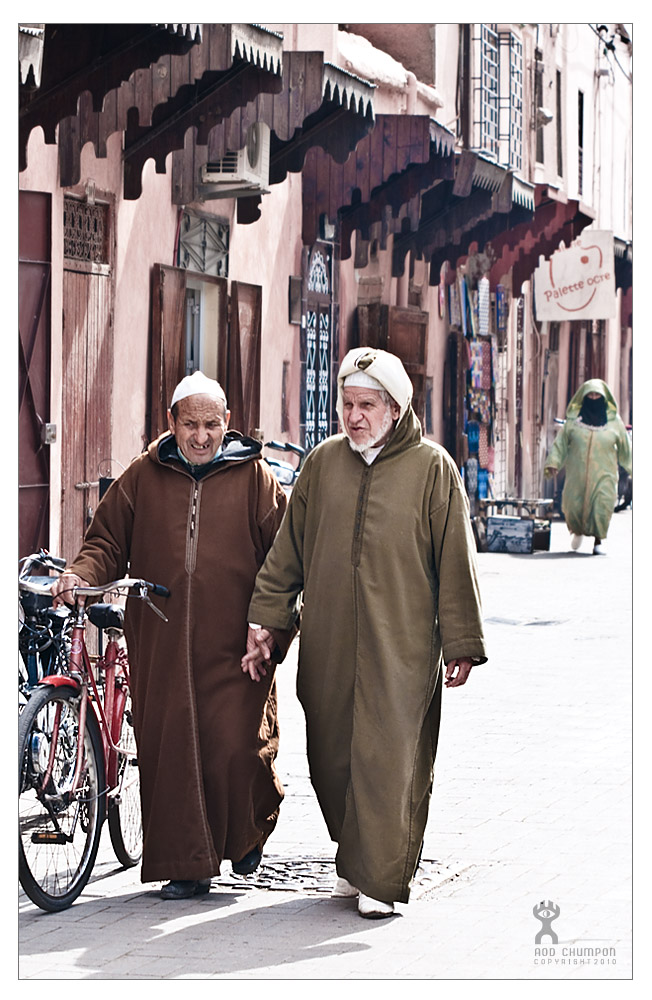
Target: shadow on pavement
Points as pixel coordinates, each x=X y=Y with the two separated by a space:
x=174 y=938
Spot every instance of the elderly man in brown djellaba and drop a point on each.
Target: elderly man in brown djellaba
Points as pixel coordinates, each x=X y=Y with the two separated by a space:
x=377 y=544
x=197 y=512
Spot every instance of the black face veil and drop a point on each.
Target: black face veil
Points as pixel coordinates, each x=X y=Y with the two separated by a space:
x=594 y=411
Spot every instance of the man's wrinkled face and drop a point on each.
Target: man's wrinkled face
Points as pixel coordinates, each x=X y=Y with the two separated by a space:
x=368 y=419
x=199 y=427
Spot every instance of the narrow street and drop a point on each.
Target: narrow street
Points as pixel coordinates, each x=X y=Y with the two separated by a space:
x=532 y=802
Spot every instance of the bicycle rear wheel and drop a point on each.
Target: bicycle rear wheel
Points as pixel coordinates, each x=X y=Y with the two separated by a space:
x=125 y=817
x=59 y=829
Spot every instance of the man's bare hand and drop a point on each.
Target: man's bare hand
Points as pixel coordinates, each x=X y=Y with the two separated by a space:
x=63 y=587
x=457 y=672
x=260 y=645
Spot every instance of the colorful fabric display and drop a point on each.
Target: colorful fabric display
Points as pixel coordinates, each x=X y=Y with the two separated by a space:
x=484 y=300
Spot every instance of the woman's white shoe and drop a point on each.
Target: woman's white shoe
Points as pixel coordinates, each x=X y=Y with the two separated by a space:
x=374 y=909
x=344 y=889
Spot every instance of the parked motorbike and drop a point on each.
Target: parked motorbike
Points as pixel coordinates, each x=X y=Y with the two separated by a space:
x=285 y=472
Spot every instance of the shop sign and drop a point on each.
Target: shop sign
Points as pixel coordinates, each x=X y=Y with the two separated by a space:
x=578 y=281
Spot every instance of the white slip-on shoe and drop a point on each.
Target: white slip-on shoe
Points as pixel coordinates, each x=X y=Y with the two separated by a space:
x=576 y=541
x=598 y=549
x=374 y=909
x=344 y=890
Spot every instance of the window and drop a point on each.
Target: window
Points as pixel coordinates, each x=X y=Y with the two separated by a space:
x=538 y=103
x=580 y=141
x=497 y=77
x=560 y=154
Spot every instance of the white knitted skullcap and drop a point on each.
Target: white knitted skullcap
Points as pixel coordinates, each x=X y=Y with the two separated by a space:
x=197 y=384
x=362 y=381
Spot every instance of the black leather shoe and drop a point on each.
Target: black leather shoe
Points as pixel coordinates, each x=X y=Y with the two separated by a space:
x=249 y=863
x=184 y=889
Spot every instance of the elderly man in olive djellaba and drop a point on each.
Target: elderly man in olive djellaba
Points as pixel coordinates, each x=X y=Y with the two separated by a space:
x=590 y=446
x=377 y=542
x=198 y=511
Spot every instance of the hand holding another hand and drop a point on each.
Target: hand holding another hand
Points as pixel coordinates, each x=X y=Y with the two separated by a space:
x=260 y=645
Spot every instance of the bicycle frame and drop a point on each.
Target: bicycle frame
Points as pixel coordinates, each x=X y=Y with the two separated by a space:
x=108 y=710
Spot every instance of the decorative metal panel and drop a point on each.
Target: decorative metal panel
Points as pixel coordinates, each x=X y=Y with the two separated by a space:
x=204 y=245
x=85 y=231
x=318 y=279
x=311 y=378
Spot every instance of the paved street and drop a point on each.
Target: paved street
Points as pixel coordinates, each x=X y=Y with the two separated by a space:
x=532 y=803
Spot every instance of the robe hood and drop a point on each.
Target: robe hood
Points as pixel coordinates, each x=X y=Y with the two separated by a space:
x=235 y=448
x=593 y=385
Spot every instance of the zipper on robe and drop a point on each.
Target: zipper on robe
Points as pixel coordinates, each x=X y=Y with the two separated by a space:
x=191 y=552
x=360 y=512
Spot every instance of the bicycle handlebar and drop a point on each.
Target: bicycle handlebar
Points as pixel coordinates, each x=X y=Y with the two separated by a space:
x=126 y=582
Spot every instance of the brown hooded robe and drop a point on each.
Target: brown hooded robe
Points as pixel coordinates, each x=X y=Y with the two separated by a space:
x=207 y=736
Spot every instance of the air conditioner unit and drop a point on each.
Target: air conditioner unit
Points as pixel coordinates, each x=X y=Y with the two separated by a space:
x=241 y=172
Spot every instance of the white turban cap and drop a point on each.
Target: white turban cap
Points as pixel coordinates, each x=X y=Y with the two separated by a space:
x=374 y=369
x=197 y=384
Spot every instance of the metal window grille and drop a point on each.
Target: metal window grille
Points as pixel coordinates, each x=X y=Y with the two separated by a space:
x=485 y=91
x=510 y=101
x=204 y=245
x=85 y=231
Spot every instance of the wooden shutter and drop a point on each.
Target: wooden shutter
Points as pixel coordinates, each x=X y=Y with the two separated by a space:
x=243 y=391
x=403 y=332
x=168 y=342
x=34 y=371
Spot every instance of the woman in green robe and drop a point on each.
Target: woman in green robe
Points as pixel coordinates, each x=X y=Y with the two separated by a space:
x=590 y=446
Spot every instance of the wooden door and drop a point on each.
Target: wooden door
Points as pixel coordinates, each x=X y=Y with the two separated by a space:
x=34 y=371
x=244 y=352
x=86 y=399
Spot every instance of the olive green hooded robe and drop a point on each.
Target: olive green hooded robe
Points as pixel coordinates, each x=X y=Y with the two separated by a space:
x=590 y=456
x=385 y=559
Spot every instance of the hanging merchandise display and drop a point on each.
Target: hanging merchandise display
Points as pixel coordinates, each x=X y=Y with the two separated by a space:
x=454 y=305
x=484 y=305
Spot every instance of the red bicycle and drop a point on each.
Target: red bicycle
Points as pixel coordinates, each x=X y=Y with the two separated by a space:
x=77 y=760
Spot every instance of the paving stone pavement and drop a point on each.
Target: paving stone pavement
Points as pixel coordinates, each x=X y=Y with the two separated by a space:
x=532 y=803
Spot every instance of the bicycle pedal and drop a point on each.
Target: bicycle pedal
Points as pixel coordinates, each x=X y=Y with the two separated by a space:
x=50 y=838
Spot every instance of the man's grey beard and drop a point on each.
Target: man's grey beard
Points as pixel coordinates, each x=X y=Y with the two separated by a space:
x=384 y=427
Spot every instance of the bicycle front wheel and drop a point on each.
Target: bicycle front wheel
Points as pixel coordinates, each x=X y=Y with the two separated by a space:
x=60 y=821
x=125 y=818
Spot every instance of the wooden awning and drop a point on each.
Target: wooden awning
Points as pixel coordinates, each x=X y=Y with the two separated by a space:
x=59 y=62
x=159 y=107
x=459 y=212
x=318 y=104
x=519 y=247
x=381 y=181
